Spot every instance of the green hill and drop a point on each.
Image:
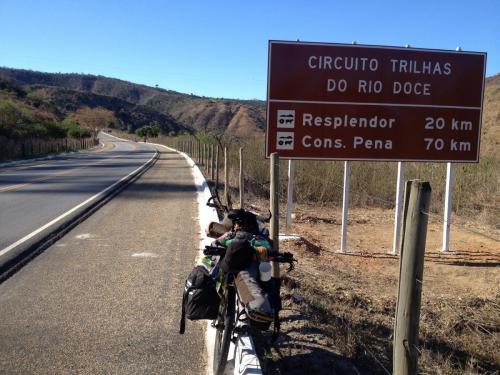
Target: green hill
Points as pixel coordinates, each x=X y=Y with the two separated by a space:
x=173 y=110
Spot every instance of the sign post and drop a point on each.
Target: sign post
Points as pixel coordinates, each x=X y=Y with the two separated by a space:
x=289 y=196
x=398 y=209
x=447 y=206
x=345 y=207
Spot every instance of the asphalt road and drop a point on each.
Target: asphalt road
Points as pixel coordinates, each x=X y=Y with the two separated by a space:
x=32 y=195
x=105 y=299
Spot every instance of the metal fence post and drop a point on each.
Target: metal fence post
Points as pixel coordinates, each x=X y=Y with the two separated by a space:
x=345 y=206
x=289 y=195
x=450 y=169
x=398 y=209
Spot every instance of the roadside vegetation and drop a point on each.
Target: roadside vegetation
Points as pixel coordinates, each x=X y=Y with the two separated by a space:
x=32 y=127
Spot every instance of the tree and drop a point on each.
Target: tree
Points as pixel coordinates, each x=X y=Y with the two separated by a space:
x=141 y=132
x=95 y=118
x=151 y=130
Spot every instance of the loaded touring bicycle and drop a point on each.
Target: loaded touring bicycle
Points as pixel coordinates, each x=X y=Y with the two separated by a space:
x=233 y=286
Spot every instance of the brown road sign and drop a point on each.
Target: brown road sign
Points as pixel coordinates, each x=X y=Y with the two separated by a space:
x=355 y=102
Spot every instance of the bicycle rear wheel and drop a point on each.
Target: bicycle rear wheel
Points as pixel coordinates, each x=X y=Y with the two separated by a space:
x=224 y=326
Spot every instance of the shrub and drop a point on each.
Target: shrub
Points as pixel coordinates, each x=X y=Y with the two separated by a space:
x=74 y=130
x=18 y=121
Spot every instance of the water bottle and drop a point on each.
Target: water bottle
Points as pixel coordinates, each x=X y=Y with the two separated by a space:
x=265 y=271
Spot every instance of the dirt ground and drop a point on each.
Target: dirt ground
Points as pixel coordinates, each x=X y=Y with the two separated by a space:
x=339 y=309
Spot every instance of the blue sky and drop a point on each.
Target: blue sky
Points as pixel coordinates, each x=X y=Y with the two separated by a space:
x=219 y=48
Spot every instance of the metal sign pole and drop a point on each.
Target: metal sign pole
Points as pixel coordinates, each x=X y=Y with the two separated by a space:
x=398 y=209
x=450 y=168
x=289 y=197
x=345 y=204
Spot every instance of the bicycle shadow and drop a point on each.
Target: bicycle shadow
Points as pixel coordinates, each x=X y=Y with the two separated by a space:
x=301 y=349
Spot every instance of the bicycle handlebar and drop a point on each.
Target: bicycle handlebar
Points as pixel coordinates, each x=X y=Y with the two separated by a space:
x=214 y=250
x=214 y=202
x=274 y=256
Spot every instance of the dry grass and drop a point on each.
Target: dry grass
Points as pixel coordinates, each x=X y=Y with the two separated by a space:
x=339 y=309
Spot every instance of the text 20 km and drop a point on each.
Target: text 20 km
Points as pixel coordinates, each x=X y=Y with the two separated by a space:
x=438 y=123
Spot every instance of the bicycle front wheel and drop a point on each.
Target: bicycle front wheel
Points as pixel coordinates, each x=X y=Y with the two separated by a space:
x=224 y=326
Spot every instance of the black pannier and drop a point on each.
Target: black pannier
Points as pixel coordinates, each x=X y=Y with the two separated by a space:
x=200 y=299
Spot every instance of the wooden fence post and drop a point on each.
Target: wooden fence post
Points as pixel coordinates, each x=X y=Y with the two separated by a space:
x=217 y=167
x=212 y=152
x=209 y=161
x=201 y=154
x=205 y=156
x=274 y=203
x=411 y=268
x=241 y=178
x=226 y=178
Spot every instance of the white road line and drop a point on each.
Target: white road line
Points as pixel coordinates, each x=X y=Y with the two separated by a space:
x=59 y=218
x=145 y=255
x=84 y=236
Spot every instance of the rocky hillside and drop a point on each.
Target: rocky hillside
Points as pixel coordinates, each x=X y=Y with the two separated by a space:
x=129 y=116
x=171 y=109
x=490 y=135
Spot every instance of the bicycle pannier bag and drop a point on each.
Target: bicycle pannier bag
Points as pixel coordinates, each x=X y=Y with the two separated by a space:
x=200 y=299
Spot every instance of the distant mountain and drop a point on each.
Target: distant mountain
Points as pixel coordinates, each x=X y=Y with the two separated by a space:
x=134 y=104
